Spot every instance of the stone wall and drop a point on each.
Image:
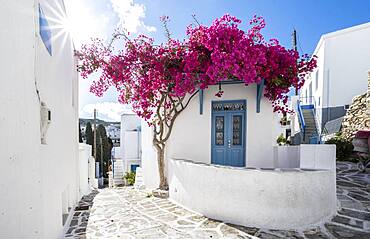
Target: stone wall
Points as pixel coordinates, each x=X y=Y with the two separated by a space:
x=358 y=115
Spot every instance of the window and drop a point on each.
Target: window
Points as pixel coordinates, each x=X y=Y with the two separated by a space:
x=237 y=130
x=219 y=130
x=317 y=79
x=45 y=31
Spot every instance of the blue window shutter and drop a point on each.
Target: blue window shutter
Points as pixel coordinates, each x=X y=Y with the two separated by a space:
x=259 y=95
x=45 y=31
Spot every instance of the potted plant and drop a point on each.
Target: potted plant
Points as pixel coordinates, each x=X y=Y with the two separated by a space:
x=281 y=140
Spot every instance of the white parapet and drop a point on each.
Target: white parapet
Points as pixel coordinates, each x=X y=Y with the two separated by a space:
x=275 y=199
x=310 y=156
x=84 y=169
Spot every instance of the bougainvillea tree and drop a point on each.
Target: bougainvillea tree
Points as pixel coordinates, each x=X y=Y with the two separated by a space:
x=159 y=81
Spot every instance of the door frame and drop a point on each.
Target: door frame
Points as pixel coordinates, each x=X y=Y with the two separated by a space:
x=244 y=125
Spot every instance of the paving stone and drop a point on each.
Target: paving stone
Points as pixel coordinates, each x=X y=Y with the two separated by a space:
x=210 y=223
x=355 y=214
x=249 y=230
x=70 y=230
x=315 y=233
x=287 y=234
x=347 y=184
x=349 y=221
x=73 y=223
x=203 y=234
x=359 y=197
x=341 y=232
x=129 y=213
x=353 y=205
x=184 y=223
x=78 y=230
x=266 y=235
x=196 y=218
x=228 y=231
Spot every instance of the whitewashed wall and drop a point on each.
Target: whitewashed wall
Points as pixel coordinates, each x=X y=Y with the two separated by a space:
x=131 y=149
x=130 y=138
x=39 y=182
x=256 y=198
x=343 y=62
x=307 y=156
x=86 y=176
x=321 y=156
x=148 y=158
x=191 y=134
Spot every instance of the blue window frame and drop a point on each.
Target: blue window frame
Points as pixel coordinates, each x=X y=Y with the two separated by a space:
x=45 y=31
x=134 y=167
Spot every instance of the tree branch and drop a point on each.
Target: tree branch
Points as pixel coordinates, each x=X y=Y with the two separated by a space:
x=187 y=103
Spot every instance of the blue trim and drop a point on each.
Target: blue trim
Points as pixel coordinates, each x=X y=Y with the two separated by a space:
x=314 y=140
x=301 y=118
x=224 y=113
x=112 y=161
x=259 y=95
x=45 y=31
x=227 y=82
x=307 y=107
x=133 y=167
x=201 y=99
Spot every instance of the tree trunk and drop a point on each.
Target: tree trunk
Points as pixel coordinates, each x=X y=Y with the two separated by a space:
x=160 y=147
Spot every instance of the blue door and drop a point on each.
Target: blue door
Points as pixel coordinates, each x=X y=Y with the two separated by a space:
x=228 y=133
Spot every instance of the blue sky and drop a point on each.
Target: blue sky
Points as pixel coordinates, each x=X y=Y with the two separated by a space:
x=311 y=19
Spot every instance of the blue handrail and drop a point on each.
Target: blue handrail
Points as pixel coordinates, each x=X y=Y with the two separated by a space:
x=301 y=118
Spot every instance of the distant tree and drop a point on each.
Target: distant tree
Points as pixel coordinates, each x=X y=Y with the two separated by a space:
x=89 y=135
x=103 y=148
x=79 y=133
x=110 y=146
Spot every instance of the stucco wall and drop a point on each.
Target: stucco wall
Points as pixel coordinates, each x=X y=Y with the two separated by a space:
x=39 y=182
x=256 y=198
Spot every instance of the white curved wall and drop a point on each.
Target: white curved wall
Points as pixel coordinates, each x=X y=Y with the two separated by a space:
x=256 y=198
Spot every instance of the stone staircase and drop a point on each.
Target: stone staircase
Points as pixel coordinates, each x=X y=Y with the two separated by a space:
x=118 y=173
x=310 y=129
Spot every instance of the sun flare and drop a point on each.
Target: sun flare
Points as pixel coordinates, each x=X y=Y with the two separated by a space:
x=74 y=21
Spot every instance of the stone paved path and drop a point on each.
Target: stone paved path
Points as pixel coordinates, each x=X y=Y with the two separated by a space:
x=128 y=213
x=78 y=222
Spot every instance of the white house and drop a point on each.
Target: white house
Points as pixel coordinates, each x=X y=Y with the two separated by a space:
x=343 y=62
x=38 y=120
x=130 y=141
x=114 y=132
x=221 y=162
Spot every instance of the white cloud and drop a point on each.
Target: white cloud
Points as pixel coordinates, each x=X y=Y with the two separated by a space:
x=108 y=111
x=131 y=15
